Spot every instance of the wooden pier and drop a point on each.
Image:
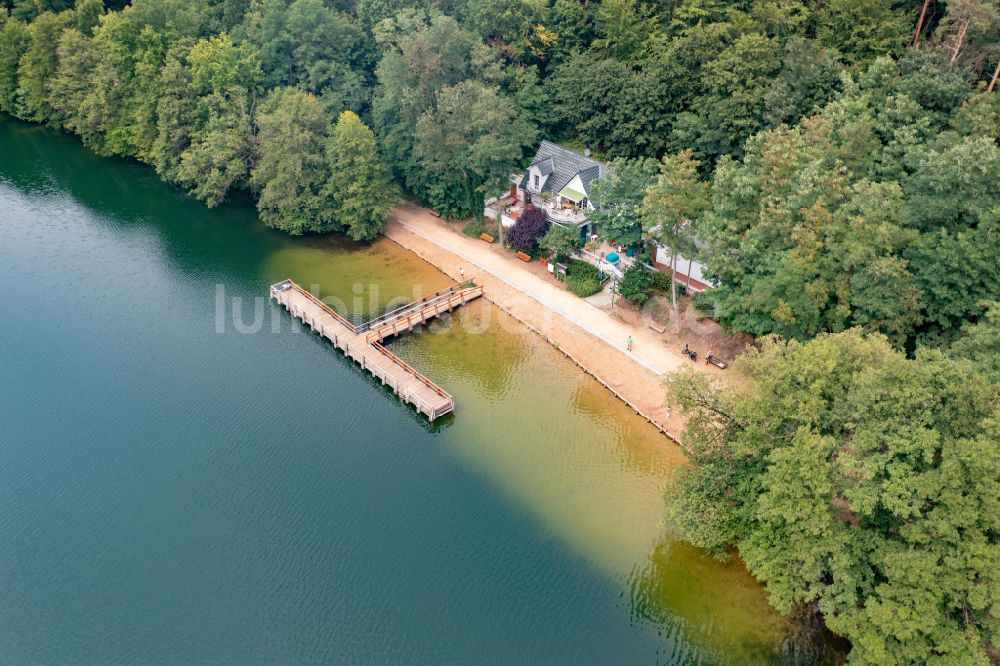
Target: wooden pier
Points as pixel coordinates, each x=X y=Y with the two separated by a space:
x=363 y=342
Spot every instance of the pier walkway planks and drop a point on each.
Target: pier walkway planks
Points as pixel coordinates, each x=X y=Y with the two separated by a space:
x=363 y=342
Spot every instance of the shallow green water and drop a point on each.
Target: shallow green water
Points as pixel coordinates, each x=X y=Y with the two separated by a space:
x=178 y=484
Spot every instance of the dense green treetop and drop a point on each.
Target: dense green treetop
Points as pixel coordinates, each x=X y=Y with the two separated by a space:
x=291 y=168
x=14 y=42
x=980 y=343
x=37 y=67
x=618 y=198
x=560 y=242
x=312 y=46
x=466 y=143
x=359 y=183
x=857 y=483
x=672 y=209
x=636 y=284
x=628 y=78
x=875 y=212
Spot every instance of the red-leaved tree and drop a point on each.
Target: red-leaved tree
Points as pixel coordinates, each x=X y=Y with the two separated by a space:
x=526 y=232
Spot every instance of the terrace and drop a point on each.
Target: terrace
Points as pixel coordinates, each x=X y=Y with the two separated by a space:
x=563 y=210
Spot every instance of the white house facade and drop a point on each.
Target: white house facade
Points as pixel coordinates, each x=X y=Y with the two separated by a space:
x=558 y=181
x=690 y=273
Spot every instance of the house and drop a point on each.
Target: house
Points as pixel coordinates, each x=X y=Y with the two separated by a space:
x=559 y=182
x=690 y=273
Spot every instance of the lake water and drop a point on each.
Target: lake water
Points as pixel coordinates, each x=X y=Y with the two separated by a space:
x=187 y=475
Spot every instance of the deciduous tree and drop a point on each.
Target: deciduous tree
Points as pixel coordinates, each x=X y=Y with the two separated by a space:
x=560 y=242
x=14 y=41
x=529 y=229
x=610 y=105
x=624 y=28
x=428 y=57
x=736 y=87
x=87 y=15
x=618 y=199
x=72 y=84
x=37 y=67
x=468 y=143
x=359 y=184
x=862 y=31
x=672 y=207
x=857 y=483
x=177 y=114
x=311 y=45
x=221 y=153
x=291 y=168
x=980 y=342
x=636 y=284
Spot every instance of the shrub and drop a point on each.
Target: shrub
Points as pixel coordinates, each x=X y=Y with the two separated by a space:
x=636 y=284
x=583 y=287
x=661 y=281
x=703 y=304
x=583 y=279
x=474 y=228
x=582 y=269
x=528 y=230
x=560 y=241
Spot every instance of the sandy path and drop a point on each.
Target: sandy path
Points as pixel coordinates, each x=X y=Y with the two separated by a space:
x=591 y=338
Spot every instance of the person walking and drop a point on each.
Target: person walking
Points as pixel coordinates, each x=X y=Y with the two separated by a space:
x=461 y=273
x=628 y=343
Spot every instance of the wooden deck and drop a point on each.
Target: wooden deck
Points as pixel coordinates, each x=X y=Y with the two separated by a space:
x=363 y=342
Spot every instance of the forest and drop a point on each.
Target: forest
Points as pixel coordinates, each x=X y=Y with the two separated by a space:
x=834 y=164
x=846 y=152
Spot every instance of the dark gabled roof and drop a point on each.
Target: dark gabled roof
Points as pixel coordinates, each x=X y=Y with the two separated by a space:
x=561 y=165
x=546 y=166
x=592 y=174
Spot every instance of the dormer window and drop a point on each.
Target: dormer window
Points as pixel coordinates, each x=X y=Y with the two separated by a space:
x=536 y=181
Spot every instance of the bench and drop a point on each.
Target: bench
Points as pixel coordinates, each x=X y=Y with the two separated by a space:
x=716 y=361
x=657 y=326
x=523 y=257
x=487 y=238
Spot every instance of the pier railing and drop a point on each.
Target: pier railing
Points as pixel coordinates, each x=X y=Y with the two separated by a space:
x=365 y=346
x=398 y=313
x=421 y=312
x=342 y=320
x=410 y=369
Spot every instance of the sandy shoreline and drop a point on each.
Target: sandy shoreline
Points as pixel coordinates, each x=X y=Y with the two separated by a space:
x=636 y=379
